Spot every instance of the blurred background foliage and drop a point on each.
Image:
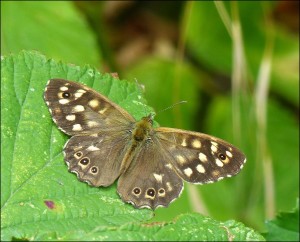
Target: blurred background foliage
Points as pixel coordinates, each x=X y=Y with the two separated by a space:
x=235 y=63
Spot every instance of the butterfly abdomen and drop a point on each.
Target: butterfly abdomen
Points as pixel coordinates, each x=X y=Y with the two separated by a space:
x=140 y=135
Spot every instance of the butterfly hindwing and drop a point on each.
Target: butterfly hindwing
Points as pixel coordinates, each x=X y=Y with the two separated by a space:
x=96 y=158
x=150 y=180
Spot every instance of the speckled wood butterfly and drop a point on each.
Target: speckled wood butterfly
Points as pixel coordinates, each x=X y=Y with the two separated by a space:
x=107 y=143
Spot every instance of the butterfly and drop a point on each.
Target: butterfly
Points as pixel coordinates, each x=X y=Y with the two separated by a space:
x=150 y=163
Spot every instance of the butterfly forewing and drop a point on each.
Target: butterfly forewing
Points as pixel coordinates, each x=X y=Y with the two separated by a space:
x=78 y=109
x=200 y=158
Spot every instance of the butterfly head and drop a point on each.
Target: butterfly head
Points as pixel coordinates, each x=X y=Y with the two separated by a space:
x=149 y=118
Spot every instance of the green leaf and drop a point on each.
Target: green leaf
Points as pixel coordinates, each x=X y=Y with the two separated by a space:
x=187 y=227
x=40 y=200
x=38 y=194
x=285 y=227
x=38 y=25
x=165 y=84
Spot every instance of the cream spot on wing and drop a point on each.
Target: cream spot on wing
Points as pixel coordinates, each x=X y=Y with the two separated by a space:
x=92 y=124
x=200 y=168
x=169 y=166
x=228 y=153
x=64 y=101
x=227 y=160
x=77 y=148
x=202 y=157
x=94 y=103
x=63 y=88
x=183 y=143
x=78 y=155
x=180 y=159
x=79 y=93
x=161 y=192
x=150 y=197
x=77 y=127
x=215 y=173
x=102 y=111
x=214 y=143
x=71 y=117
x=92 y=148
x=214 y=148
x=169 y=187
x=78 y=109
x=57 y=111
x=157 y=177
x=219 y=163
x=196 y=143
x=188 y=171
x=81 y=165
x=60 y=95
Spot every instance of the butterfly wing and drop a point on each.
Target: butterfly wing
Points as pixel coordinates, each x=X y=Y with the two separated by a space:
x=98 y=126
x=97 y=158
x=78 y=109
x=200 y=158
x=149 y=181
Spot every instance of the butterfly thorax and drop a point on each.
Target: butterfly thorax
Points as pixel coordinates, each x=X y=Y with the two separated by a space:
x=140 y=134
x=142 y=129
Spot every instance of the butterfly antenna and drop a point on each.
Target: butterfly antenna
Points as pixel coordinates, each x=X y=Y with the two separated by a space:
x=172 y=106
x=141 y=88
